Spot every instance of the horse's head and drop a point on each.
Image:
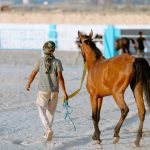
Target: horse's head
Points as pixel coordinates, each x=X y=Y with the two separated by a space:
x=122 y=43
x=118 y=44
x=83 y=39
x=88 y=47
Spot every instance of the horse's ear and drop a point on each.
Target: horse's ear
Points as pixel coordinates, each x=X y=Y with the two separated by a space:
x=91 y=34
x=79 y=34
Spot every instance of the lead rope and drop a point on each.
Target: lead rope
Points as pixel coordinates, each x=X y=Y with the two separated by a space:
x=68 y=112
x=65 y=102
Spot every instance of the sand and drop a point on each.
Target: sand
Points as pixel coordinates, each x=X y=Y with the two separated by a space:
x=21 y=128
x=59 y=16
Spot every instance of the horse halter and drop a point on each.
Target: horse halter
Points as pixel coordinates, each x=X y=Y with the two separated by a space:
x=87 y=39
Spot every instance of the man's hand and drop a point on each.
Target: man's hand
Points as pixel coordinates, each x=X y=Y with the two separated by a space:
x=27 y=87
x=30 y=79
x=66 y=97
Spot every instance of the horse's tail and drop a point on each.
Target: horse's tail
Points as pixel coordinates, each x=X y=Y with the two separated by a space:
x=142 y=74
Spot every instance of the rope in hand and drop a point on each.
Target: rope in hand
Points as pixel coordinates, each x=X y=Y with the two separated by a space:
x=65 y=102
x=68 y=112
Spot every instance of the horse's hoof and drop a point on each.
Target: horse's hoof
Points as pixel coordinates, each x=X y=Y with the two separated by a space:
x=116 y=140
x=135 y=144
x=97 y=142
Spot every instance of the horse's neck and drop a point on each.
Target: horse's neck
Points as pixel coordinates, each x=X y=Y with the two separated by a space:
x=91 y=62
x=90 y=56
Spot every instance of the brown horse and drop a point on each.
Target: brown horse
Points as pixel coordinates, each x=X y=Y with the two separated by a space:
x=112 y=77
x=123 y=44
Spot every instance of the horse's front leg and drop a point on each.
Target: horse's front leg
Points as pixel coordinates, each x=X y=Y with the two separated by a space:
x=96 y=104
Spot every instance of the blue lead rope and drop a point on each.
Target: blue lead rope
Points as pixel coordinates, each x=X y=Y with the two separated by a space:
x=68 y=112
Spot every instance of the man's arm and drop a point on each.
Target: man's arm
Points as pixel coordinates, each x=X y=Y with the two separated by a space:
x=30 y=79
x=62 y=84
x=146 y=44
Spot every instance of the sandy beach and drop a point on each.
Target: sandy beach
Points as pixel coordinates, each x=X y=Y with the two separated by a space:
x=64 y=15
x=20 y=126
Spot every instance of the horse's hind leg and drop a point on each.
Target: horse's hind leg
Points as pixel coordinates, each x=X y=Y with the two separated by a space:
x=138 y=93
x=119 y=98
x=96 y=104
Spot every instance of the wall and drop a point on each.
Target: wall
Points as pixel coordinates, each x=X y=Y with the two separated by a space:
x=23 y=37
x=33 y=36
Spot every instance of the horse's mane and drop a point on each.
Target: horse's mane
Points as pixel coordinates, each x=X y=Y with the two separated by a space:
x=96 y=50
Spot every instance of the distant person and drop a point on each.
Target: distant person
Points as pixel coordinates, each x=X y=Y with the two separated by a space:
x=141 y=45
x=50 y=77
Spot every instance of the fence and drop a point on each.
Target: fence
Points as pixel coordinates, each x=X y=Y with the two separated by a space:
x=22 y=37
x=132 y=32
x=32 y=37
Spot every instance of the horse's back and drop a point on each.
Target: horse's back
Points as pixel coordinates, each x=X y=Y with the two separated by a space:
x=119 y=66
x=126 y=57
x=109 y=73
x=118 y=62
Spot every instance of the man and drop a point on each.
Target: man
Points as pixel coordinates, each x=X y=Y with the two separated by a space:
x=141 y=45
x=50 y=70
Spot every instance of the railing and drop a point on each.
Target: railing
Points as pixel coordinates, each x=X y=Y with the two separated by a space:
x=33 y=36
x=132 y=32
x=25 y=37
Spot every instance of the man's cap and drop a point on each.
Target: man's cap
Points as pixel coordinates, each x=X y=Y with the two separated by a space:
x=49 y=47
